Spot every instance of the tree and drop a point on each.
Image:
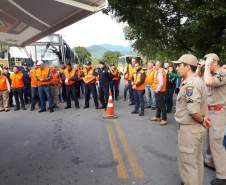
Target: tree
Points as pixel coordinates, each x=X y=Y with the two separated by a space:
x=165 y=29
x=82 y=54
x=111 y=57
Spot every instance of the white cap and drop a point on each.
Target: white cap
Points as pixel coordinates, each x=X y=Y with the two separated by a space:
x=39 y=63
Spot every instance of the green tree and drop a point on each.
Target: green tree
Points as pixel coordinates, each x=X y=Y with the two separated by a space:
x=82 y=54
x=111 y=57
x=164 y=29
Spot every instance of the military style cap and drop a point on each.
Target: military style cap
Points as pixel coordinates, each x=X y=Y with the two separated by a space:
x=212 y=56
x=39 y=63
x=187 y=59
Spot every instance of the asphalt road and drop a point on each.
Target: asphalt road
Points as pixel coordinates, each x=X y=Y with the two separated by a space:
x=80 y=147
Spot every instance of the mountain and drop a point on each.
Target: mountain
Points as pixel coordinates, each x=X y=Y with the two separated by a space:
x=98 y=51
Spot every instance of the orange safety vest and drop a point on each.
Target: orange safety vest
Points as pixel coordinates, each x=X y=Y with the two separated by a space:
x=156 y=82
x=17 y=80
x=130 y=71
x=69 y=75
x=34 y=81
x=3 y=83
x=42 y=74
x=88 y=76
x=137 y=79
x=116 y=75
x=149 y=77
x=55 y=77
x=79 y=73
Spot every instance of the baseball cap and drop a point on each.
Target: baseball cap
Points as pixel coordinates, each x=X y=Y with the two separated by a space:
x=24 y=64
x=187 y=59
x=39 y=63
x=212 y=56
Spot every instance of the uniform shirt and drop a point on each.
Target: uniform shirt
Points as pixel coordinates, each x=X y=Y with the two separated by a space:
x=27 y=79
x=104 y=76
x=217 y=91
x=191 y=99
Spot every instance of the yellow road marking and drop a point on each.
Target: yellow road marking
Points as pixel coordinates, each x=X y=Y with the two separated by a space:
x=121 y=169
x=134 y=164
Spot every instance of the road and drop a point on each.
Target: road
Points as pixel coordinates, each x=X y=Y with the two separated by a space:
x=80 y=147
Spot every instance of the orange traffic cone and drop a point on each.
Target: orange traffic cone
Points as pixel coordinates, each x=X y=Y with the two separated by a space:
x=109 y=113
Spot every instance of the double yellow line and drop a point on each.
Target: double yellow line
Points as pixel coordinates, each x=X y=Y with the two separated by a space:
x=133 y=162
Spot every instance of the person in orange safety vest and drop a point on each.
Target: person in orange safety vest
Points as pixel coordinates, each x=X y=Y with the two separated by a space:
x=70 y=79
x=4 y=92
x=17 y=86
x=138 y=86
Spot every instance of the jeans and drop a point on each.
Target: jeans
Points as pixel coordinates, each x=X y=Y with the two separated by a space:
x=19 y=97
x=34 y=97
x=27 y=93
x=91 y=89
x=139 y=100
x=131 y=91
x=104 y=94
x=169 y=99
x=114 y=85
x=45 y=91
x=160 y=105
x=150 y=96
x=72 y=93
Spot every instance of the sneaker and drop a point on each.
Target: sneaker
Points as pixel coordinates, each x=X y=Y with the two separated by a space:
x=163 y=123
x=155 y=119
x=16 y=109
x=218 y=182
x=153 y=108
x=51 y=110
x=7 y=110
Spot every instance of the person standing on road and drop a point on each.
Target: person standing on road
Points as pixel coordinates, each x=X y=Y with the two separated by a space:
x=34 y=88
x=4 y=92
x=149 y=93
x=27 y=83
x=104 y=81
x=6 y=73
x=215 y=79
x=70 y=79
x=191 y=114
x=130 y=71
x=63 y=97
x=159 y=87
x=114 y=83
x=138 y=85
x=17 y=85
x=44 y=76
x=90 y=84
x=55 y=86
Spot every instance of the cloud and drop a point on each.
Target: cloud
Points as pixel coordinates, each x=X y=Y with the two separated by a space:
x=94 y=30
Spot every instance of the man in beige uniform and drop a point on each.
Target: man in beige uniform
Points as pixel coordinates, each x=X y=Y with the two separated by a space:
x=215 y=80
x=191 y=114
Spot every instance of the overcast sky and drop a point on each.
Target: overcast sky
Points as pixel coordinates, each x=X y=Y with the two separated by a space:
x=94 y=30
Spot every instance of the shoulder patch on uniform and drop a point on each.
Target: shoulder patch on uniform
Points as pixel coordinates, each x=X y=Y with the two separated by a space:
x=189 y=91
x=219 y=76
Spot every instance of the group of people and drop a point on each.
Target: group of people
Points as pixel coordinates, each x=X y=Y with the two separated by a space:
x=43 y=83
x=157 y=82
x=200 y=104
